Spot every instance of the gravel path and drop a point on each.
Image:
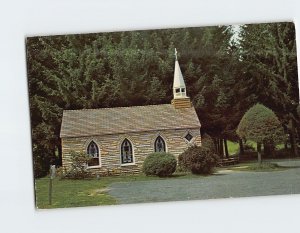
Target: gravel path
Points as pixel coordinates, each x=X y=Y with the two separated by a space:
x=224 y=184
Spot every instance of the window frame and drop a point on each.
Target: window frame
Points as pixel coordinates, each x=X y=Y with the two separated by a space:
x=164 y=144
x=192 y=139
x=99 y=154
x=132 y=153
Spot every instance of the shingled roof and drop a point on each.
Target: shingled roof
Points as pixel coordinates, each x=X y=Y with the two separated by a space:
x=89 y=122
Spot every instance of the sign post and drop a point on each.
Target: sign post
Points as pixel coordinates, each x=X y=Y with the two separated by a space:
x=52 y=175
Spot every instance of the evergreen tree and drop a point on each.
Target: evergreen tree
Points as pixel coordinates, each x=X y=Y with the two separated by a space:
x=260 y=124
x=268 y=54
x=224 y=77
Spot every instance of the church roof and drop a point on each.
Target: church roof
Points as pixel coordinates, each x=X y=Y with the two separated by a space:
x=89 y=122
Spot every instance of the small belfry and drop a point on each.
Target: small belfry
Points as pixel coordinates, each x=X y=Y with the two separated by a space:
x=180 y=100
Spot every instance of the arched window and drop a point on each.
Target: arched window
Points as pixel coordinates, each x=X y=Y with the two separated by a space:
x=159 y=145
x=93 y=152
x=126 y=152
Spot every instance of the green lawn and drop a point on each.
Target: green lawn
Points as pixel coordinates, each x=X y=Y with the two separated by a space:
x=76 y=193
x=256 y=167
x=233 y=147
x=93 y=192
x=72 y=193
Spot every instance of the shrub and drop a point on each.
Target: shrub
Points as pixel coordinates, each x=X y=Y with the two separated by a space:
x=160 y=164
x=198 y=160
x=61 y=172
x=78 y=168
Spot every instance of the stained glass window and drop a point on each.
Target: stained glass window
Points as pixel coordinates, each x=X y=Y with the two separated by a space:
x=160 y=145
x=126 y=152
x=93 y=152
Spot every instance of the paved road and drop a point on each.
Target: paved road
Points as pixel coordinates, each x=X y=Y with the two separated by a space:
x=222 y=185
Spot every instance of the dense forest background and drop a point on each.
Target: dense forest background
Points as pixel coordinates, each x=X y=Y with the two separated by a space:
x=226 y=69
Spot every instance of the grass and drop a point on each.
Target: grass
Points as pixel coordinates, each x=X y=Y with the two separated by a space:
x=233 y=147
x=280 y=146
x=254 y=166
x=93 y=192
x=72 y=193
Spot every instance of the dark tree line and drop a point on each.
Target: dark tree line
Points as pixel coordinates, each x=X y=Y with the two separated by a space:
x=225 y=75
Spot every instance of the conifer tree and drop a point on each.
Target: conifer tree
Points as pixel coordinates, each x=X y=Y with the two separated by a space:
x=268 y=53
x=260 y=124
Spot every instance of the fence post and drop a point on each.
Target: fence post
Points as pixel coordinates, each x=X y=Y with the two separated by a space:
x=52 y=175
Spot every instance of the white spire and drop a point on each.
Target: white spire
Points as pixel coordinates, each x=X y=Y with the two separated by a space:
x=179 y=89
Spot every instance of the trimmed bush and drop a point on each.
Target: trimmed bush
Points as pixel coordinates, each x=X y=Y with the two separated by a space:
x=261 y=125
x=198 y=160
x=159 y=164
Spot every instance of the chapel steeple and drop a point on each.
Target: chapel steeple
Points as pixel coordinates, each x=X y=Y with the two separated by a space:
x=180 y=100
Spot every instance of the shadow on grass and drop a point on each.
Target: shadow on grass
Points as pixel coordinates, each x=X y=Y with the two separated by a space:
x=191 y=175
x=184 y=175
x=288 y=167
x=263 y=167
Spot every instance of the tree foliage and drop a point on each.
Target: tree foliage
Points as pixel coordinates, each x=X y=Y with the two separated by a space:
x=224 y=77
x=260 y=124
x=268 y=53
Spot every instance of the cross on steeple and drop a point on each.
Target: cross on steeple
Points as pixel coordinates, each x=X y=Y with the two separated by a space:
x=175 y=54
